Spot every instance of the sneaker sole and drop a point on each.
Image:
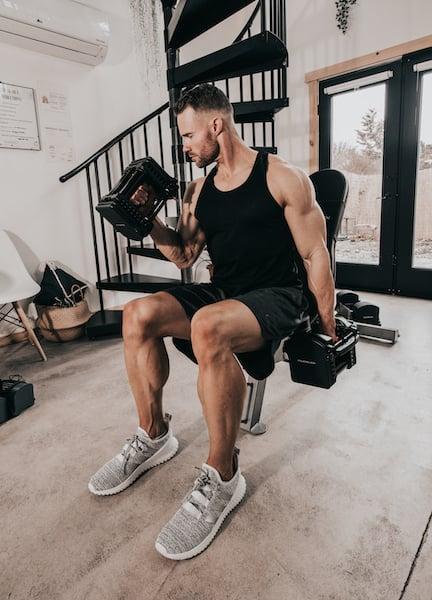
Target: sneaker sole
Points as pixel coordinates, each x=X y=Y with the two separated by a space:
x=235 y=500
x=171 y=447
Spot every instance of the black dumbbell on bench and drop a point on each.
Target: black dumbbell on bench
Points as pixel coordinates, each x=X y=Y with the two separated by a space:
x=315 y=359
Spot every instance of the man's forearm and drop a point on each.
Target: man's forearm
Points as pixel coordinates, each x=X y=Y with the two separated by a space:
x=321 y=284
x=169 y=242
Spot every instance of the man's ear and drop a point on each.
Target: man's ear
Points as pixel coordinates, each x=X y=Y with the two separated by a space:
x=217 y=125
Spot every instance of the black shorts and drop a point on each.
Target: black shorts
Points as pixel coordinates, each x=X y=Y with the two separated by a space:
x=278 y=310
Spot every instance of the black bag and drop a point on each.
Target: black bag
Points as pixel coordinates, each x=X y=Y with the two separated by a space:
x=56 y=288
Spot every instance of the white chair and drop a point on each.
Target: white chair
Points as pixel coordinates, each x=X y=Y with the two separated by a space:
x=15 y=285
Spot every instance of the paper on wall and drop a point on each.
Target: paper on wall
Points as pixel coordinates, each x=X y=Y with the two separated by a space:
x=18 y=121
x=55 y=121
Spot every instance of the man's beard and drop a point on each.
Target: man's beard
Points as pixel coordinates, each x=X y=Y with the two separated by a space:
x=209 y=156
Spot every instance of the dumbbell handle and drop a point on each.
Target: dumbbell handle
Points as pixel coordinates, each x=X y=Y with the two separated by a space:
x=346 y=347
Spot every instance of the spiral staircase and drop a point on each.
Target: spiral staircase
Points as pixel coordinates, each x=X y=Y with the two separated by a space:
x=252 y=71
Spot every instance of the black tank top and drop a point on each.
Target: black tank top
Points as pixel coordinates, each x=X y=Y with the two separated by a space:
x=248 y=239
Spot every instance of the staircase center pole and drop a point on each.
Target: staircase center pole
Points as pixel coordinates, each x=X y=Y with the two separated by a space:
x=172 y=58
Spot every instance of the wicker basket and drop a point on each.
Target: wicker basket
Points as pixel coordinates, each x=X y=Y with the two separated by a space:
x=58 y=324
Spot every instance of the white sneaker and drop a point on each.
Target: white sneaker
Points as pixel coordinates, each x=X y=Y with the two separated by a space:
x=202 y=512
x=140 y=454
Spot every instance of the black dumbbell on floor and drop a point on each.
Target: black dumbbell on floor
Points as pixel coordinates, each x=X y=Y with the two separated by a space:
x=348 y=305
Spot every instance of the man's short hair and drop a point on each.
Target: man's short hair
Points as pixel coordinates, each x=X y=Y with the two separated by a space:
x=204 y=96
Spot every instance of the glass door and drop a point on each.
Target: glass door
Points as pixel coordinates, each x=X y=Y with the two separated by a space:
x=359 y=135
x=414 y=239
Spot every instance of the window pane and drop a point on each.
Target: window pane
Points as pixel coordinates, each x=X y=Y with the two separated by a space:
x=357 y=138
x=422 y=251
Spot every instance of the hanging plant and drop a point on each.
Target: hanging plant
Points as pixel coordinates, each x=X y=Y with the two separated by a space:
x=148 y=28
x=342 y=13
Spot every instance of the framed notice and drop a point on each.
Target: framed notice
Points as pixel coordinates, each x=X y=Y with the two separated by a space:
x=55 y=122
x=18 y=119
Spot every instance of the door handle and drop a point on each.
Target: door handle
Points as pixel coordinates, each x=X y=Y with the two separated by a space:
x=387 y=197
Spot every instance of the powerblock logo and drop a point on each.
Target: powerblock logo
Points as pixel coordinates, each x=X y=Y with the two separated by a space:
x=306 y=362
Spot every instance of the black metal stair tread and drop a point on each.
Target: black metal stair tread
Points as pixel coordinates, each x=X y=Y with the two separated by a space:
x=258 y=110
x=192 y=17
x=149 y=252
x=137 y=283
x=260 y=52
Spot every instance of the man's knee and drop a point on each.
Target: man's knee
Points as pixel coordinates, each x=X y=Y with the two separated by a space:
x=141 y=317
x=208 y=333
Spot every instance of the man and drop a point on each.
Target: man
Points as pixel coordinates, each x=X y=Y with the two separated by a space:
x=251 y=211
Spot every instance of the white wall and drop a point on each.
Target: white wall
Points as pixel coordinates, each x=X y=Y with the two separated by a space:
x=314 y=41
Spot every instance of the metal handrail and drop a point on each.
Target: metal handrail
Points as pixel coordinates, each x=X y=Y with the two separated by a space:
x=277 y=17
x=112 y=143
x=249 y=22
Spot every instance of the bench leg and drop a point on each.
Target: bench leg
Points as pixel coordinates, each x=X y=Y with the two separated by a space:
x=252 y=409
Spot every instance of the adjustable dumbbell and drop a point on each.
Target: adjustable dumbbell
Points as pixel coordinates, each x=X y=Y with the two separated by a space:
x=132 y=221
x=348 y=305
x=316 y=360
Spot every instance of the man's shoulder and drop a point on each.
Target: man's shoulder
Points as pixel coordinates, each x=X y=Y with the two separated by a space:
x=196 y=183
x=193 y=189
x=286 y=179
x=280 y=167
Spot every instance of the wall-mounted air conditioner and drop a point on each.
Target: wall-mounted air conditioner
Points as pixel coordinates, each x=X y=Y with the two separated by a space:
x=64 y=28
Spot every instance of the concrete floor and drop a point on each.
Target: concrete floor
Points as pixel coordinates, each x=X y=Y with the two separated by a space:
x=339 y=493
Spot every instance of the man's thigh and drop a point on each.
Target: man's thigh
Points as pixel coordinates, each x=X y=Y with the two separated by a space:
x=263 y=315
x=233 y=321
x=174 y=308
x=190 y=298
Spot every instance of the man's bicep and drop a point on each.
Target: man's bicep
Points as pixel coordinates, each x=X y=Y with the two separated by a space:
x=188 y=226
